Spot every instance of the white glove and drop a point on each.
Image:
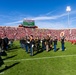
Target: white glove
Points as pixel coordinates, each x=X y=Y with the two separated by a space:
x=28 y=42
x=32 y=46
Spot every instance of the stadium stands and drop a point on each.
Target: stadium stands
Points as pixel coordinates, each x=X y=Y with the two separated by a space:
x=19 y=32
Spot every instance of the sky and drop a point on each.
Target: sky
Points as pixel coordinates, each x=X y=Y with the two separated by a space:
x=49 y=14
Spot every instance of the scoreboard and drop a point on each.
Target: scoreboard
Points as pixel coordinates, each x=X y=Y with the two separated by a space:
x=28 y=23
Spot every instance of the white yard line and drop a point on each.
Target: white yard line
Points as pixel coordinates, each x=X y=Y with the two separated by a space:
x=40 y=58
x=1 y=73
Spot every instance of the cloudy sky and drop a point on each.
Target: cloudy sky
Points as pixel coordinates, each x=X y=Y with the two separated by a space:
x=46 y=13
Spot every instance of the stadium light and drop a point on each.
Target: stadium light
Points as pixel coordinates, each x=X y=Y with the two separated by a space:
x=68 y=9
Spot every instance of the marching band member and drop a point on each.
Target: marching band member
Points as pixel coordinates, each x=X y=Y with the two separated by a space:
x=55 y=43
x=31 y=45
x=62 y=41
x=50 y=43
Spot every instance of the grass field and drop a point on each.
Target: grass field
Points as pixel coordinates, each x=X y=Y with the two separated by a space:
x=44 y=63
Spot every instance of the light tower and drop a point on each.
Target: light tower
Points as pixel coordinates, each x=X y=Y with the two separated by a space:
x=68 y=9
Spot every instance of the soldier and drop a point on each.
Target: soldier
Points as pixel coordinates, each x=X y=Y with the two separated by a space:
x=43 y=43
x=5 y=41
x=47 y=43
x=62 y=43
x=22 y=42
x=0 y=44
x=31 y=45
x=55 y=43
x=50 y=43
x=27 y=42
x=37 y=44
x=1 y=61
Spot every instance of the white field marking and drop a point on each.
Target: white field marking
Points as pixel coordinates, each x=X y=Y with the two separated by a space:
x=40 y=58
x=1 y=73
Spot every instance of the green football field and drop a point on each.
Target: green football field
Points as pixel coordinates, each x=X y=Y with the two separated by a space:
x=44 y=63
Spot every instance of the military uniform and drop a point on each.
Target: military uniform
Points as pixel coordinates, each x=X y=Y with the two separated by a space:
x=62 y=43
x=55 y=43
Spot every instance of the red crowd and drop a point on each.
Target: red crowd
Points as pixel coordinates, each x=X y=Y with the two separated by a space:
x=20 y=32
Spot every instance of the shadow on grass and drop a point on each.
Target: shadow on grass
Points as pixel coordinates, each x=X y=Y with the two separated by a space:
x=40 y=51
x=3 y=53
x=8 y=67
x=9 y=57
x=57 y=49
x=15 y=47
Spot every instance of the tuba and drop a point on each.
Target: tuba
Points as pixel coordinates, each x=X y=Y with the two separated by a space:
x=61 y=34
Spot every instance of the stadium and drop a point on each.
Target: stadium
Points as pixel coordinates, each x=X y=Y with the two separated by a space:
x=33 y=46
x=16 y=56
x=28 y=28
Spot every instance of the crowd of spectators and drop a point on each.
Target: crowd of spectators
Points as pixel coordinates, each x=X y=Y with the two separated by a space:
x=19 y=32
